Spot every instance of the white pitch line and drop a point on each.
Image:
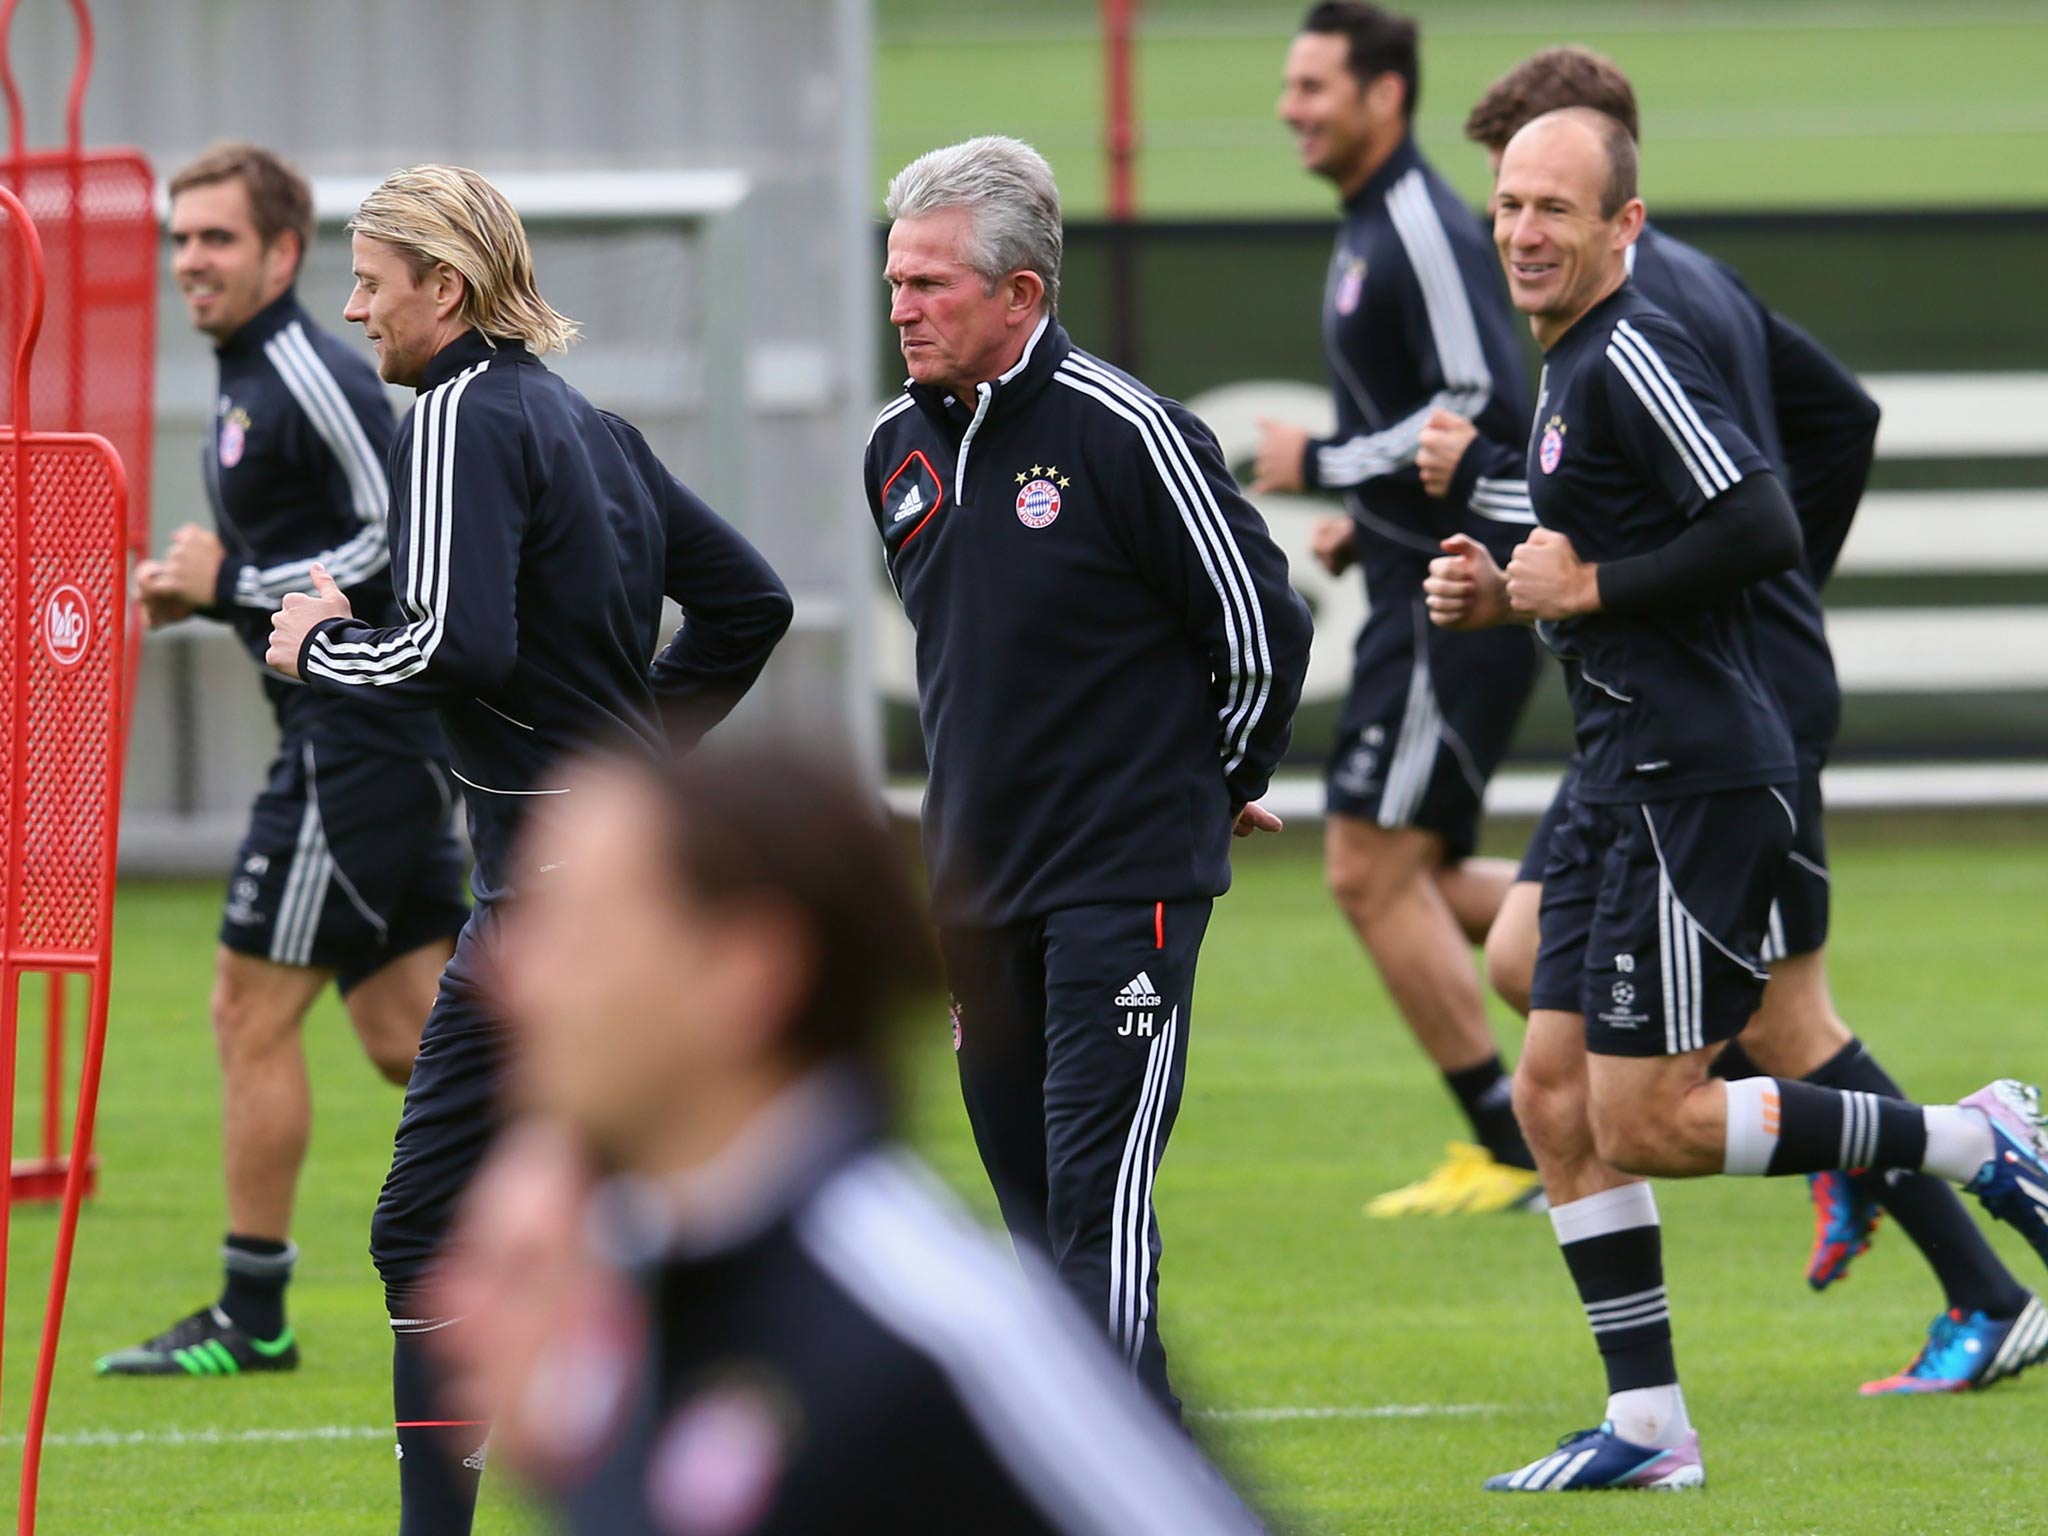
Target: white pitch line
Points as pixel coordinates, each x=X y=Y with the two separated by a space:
x=1359 y=1411
x=116 y=1439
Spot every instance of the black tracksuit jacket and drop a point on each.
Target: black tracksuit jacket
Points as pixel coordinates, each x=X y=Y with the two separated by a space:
x=533 y=538
x=1108 y=650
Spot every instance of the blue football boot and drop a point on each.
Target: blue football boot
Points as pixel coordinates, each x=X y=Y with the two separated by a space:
x=1599 y=1458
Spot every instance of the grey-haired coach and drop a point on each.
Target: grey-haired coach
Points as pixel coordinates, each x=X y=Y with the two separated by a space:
x=1108 y=660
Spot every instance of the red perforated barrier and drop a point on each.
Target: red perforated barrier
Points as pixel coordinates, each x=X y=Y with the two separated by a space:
x=63 y=592
x=95 y=368
x=93 y=371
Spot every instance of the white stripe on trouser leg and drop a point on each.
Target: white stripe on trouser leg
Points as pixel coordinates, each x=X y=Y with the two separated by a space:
x=1698 y=1011
x=1414 y=757
x=305 y=888
x=1667 y=957
x=1121 y=1312
x=1141 y=1291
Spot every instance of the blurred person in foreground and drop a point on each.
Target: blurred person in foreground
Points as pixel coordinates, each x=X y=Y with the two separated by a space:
x=1418 y=333
x=706 y=1290
x=349 y=872
x=536 y=537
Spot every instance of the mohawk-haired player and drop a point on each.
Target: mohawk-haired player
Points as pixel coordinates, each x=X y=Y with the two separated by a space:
x=1418 y=333
x=535 y=538
x=1816 y=426
x=1656 y=516
x=349 y=871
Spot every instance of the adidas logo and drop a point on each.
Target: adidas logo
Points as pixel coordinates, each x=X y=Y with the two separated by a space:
x=475 y=1459
x=911 y=504
x=1138 y=992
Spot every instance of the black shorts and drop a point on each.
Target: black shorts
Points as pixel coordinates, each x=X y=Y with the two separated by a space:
x=1654 y=916
x=1430 y=715
x=1537 y=854
x=350 y=861
x=1799 y=915
x=453 y=1108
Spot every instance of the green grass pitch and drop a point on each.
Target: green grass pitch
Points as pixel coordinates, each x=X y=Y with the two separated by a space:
x=1430 y=1353
x=1747 y=104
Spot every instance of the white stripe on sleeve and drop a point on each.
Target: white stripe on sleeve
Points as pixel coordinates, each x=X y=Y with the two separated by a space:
x=1251 y=662
x=1468 y=381
x=423 y=592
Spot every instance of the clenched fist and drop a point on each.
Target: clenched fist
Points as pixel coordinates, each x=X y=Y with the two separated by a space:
x=299 y=617
x=1465 y=587
x=1547 y=580
x=1445 y=437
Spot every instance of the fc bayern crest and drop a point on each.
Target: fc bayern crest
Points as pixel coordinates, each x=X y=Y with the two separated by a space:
x=1351 y=287
x=234 y=437
x=1552 y=448
x=1038 y=504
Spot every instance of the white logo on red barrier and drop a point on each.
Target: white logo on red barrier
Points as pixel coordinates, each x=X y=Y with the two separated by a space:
x=67 y=625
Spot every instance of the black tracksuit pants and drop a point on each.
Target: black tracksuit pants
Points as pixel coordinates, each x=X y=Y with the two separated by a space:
x=1072 y=1034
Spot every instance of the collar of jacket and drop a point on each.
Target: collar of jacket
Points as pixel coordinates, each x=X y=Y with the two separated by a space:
x=468 y=349
x=1043 y=354
x=776 y=1162
x=261 y=326
x=1405 y=158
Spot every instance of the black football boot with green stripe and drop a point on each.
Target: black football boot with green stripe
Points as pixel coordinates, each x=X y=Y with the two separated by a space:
x=205 y=1344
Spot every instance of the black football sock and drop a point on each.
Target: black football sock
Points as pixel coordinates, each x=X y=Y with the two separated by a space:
x=1972 y=1276
x=1487 y=1095
x=258 y=1270
x=440 y=1459
x=1614 y=1246
x=1777 y=1127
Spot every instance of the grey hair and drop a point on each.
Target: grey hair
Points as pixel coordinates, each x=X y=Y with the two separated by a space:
x=1011 y=199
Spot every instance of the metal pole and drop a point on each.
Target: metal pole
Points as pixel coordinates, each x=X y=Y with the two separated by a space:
x=1119 y=21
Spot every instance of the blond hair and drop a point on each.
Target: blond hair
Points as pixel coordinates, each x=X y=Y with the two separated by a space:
x=444 y=213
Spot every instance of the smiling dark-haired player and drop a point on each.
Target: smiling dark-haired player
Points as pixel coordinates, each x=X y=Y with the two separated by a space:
x=1418 y=333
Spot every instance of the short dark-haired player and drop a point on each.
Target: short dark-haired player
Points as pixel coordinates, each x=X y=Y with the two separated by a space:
x=1657 y=515
x=1815 y=425
x=349 y=871
x=1418 y=334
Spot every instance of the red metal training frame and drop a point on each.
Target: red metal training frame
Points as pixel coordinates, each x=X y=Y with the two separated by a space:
x=63 y=591
x=96 y=372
